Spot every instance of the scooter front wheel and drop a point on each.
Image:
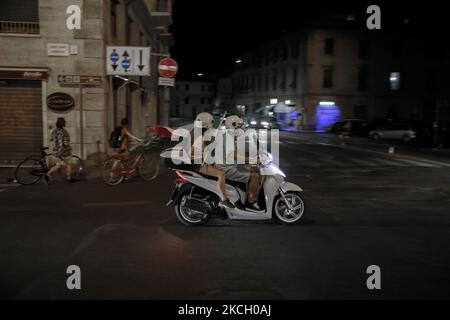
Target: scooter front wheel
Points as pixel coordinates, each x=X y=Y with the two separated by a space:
x=291 y=212
x=188 y=216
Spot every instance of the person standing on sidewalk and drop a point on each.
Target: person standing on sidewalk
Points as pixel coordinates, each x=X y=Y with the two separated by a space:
x=62 y=151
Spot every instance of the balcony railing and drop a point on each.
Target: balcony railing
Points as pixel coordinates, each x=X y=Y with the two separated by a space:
x=19 y=27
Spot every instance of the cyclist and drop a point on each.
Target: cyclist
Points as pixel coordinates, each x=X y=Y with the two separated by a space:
x=62 y=151
x=123 y=151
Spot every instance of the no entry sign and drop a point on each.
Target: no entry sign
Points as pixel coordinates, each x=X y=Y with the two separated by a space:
x=168 y=68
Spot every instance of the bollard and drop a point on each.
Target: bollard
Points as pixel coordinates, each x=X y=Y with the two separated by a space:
x=391 y=150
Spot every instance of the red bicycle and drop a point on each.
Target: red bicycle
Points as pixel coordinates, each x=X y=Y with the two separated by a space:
x=144 y=164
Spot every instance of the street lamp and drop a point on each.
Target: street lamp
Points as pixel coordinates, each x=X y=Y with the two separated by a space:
x=238 y=61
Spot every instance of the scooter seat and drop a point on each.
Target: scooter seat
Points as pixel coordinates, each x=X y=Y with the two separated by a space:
x=237 y=184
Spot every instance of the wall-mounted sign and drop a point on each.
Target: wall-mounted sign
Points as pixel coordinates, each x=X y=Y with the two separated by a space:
x=77 y=79
x=29 y=75
x=128 y=61
x=60 y=101
x=166 y=82
x=57 y=49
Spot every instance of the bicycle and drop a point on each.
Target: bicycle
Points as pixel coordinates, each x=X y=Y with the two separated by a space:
x=115 y=169
x=31 y=170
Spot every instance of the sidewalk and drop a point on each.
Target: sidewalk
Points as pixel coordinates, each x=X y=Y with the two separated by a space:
x=7 y=174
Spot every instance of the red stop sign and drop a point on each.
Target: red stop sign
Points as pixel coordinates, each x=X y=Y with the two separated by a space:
x=168 y=68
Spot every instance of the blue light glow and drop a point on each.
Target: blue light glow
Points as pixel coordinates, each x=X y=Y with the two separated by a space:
x=326 y=115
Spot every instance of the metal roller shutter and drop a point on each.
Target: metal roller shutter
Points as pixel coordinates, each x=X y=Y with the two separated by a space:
x=21 y=131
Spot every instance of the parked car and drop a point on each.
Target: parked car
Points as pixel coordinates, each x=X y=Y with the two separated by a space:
x=359 y=127
x=335 y=127
x=394 y=130
x=257 y=121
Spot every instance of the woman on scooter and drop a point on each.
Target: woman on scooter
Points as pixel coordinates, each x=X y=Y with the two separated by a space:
x=205 y=121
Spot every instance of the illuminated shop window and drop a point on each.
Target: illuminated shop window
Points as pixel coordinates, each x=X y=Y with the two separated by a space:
x=394 y=81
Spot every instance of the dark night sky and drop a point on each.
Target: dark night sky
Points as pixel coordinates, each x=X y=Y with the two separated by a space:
x=209 y=34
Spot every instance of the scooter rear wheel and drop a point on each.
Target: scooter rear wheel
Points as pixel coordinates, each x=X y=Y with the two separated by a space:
x=188 y=216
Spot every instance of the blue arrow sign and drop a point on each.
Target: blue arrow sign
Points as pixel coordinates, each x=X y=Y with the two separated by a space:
x=126 y=64
x=114 y=56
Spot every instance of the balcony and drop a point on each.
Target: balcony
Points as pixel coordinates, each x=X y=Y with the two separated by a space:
x=15 y=27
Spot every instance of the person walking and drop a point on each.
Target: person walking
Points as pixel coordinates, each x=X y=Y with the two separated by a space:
x=62 y=151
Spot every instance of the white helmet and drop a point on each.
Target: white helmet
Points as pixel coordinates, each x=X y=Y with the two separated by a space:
x=234 y=122
x=204 y=120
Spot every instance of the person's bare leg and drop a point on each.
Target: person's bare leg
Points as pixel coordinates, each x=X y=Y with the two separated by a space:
x=69 y=169
x=215 y=172
x=53 y=169
x=253 y=185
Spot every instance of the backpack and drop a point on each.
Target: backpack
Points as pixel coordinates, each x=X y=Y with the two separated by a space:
x=114 y=138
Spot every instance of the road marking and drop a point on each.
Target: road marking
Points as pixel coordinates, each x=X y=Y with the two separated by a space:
x=418 y=163
x=7 y=185
x=117 y=204
x=385 y=162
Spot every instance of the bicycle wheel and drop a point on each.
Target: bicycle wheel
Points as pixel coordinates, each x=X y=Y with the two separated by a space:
x=112 y=171
x=148 y=167
x=29 y=171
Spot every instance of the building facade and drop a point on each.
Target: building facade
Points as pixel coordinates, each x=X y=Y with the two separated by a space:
x=192 y=97
x=327 y=72
x=38 y=51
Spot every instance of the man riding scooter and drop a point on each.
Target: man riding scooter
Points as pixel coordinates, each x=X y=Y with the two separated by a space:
x=246 y=173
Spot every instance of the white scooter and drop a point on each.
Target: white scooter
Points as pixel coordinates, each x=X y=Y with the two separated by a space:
x=196 y=196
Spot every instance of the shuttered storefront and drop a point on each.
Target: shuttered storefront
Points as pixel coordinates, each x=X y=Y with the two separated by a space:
x=21 y=132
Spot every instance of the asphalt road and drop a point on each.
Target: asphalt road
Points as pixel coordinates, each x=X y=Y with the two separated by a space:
x=366 y=207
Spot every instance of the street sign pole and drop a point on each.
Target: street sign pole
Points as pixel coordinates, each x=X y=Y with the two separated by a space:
x=80 y=93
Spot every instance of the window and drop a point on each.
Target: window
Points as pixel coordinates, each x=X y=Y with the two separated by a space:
x=274 y=80
x=275 y=55
x=186 y=87
x=266 y=85
x=21 y=17
x=294 y=78
x=283 y=80
x=363 y=49
x=295 y=50
x=202 y=101
x=363 y=78
x=284 y=53
x=203 y=87
x=209 y=101
x=186 y=100
x=328 y=78
x=329 y=46
x=114 y=18
x=394 y=81
x=267 y=59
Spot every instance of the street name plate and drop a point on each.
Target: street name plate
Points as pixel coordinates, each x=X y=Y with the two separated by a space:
x=166 y=82
x=57 y=49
